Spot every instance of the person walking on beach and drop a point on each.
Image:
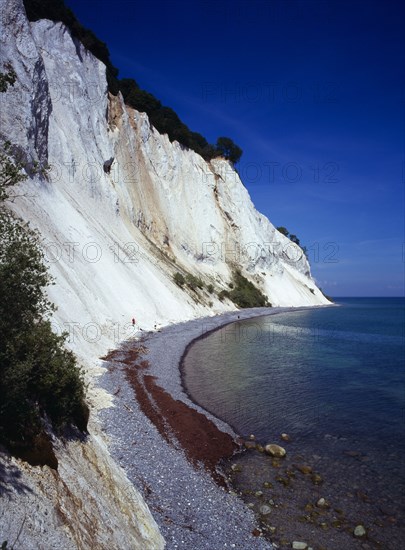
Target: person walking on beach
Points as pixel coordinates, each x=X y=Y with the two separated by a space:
x=133 y=321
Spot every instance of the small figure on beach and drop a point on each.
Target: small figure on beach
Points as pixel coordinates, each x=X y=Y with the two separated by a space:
x=133 y=321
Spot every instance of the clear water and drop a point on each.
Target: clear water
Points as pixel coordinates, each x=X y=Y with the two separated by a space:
x=334 y=380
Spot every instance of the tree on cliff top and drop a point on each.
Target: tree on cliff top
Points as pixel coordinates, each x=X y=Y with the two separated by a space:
x=228 y=149
x=163 y=118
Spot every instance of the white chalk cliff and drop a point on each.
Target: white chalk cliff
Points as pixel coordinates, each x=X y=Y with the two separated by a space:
x=115 y=239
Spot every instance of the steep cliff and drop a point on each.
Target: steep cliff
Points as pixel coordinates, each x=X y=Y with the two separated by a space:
x=121 y=210
x=115 y=238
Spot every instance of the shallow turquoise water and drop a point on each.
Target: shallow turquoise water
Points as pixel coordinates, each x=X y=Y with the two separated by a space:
x=332 y=378
x=338 y=369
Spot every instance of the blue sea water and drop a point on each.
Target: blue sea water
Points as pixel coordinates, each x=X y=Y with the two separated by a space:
x=332 y=378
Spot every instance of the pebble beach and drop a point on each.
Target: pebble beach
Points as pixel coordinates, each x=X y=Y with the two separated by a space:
x=192 y=509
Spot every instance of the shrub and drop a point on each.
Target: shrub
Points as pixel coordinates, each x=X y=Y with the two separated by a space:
x=179 y=279
x=210 y=288
x=38 y=377
x=283 y=230
x=245 y=293
x=222 y=295
x=227 y=148
x=194 y=282
x=40 y=382
x=7 y=79
x=294 y=239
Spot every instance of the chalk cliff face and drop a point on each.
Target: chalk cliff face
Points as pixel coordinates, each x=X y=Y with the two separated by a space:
x=115 y=239
x=115 y=235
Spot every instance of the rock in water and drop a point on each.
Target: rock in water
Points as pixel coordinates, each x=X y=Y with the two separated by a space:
x=299 y=545
x=359 y=531
x=275 y=450
x=285 y=437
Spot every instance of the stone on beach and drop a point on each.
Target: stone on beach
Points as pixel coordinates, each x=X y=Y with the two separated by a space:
x=322 y=503
x=316 y=479
x=285 y=437
x=297 y=545
x=275 y=450
x=304 y=469
x=265 y=510
x=359 y=531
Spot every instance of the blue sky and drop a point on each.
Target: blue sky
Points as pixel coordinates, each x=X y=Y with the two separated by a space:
x=314 y=94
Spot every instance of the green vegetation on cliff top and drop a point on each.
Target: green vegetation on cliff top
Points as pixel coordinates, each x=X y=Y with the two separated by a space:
x=163 y=118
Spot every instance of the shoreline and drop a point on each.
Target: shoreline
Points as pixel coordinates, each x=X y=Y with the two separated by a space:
x=276 y=310
x=311 y=472
x=191 y=509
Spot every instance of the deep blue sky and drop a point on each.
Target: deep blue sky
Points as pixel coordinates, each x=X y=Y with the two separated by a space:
x=313 y=92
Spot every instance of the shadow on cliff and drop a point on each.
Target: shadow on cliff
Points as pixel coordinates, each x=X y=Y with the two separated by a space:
x=11 y=477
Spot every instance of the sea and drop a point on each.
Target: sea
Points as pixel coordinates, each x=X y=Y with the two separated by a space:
x=328 y=385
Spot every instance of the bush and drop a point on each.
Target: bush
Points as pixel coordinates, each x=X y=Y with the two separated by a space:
x=7 y=79
x=227 y=148
x=40 y=382
x=179 y=279
x=210 y=288
x=293 y=238
x=222 y=295
x=245 y=293
x=283 y=230
x=194 y=282
x=39 y=378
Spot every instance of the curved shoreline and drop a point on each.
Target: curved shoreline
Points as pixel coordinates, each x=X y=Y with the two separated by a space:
x=266 y=313
x=190 y=508
x=177 y=340
x=311 y=473
x=250 y=314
